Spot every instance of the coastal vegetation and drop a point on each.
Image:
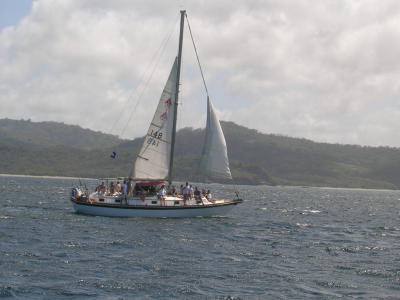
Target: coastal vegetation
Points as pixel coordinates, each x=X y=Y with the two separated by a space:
x=57 y=149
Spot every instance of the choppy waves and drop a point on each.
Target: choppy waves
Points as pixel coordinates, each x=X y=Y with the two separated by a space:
x=281 y=243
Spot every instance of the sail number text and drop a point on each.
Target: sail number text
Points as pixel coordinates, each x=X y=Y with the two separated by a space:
x=154 y=138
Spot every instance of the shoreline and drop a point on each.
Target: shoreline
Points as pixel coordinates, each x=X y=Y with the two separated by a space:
x=280 y=186
x=339 y=188
x=44 y=176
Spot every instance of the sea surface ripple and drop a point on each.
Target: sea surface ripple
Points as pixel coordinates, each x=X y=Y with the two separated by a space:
x=281 y=243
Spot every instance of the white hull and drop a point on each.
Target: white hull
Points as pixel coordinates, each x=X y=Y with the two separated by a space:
x=154 y=164
x=153 y=212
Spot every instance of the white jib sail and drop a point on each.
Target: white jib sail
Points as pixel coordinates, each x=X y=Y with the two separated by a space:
x=214 y=160
x=153 y=159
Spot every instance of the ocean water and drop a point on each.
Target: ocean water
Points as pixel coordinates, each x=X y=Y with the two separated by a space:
x=281 y=243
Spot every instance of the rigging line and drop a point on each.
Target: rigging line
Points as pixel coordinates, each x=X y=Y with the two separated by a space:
x=197 y=55
x=164 y=45
x=141 y=95
x=144 y=74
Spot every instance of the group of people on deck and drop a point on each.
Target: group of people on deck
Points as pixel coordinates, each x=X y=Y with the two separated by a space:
x=186 y=191
x=113 y=188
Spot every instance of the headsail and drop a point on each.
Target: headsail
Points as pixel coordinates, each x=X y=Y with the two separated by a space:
x=214 y=160
x=153 y=159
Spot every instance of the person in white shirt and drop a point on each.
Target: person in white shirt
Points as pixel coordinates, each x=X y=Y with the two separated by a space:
x=161 y=195
x=162 y=192
x=191 y=191
x=124 y=191
x=186 y=192
x=209 y=196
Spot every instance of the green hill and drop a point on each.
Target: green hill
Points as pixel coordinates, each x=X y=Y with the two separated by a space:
x=255 y=158
x=53 y=134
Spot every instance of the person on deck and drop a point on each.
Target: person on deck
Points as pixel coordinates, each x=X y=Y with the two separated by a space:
x=191 y=192
x=138 y=190
x=111 y=188
x=124 y=188
x=173 y=190
x=197 y=194
x=152 y=190
x=101 y=189
x=161 y=195
x=117 y=187
x=162 y=192
x=209 y=196
x=186 y=192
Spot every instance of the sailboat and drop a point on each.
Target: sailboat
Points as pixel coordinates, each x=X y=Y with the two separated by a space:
x=144 y=193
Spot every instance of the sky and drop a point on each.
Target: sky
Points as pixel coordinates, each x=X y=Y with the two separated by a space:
x=322 y=70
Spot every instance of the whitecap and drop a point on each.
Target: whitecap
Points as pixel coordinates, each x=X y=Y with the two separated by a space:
x=312 y=211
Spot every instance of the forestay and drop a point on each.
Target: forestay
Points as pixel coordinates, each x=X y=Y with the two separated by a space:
x=214 y=160
x=153 y=159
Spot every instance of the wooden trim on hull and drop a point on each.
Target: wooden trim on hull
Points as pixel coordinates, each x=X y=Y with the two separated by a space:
x=115 y=210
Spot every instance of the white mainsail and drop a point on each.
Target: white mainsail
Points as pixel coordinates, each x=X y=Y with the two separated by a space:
x=153 y=159
x=214 y=160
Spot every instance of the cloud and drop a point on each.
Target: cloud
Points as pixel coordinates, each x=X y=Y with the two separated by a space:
x=323 y=70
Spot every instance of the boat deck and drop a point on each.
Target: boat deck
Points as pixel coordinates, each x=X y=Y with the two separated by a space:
x=150 y=202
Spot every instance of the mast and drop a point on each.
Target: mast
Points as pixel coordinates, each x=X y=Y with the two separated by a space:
x=171 y=161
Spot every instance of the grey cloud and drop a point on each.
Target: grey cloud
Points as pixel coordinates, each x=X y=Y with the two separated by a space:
x=325 y=70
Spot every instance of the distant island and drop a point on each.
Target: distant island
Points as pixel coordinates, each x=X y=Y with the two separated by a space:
x=58 y=149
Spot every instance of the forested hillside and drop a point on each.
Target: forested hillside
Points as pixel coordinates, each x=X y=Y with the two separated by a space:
x=53 y=134
x=50 y=148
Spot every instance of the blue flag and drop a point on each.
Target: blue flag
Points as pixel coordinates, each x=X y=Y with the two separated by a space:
x=113 y=155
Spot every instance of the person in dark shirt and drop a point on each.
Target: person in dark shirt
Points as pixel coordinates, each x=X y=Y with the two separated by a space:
x=172 y=190
x=111 y=188
x=197 y=194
